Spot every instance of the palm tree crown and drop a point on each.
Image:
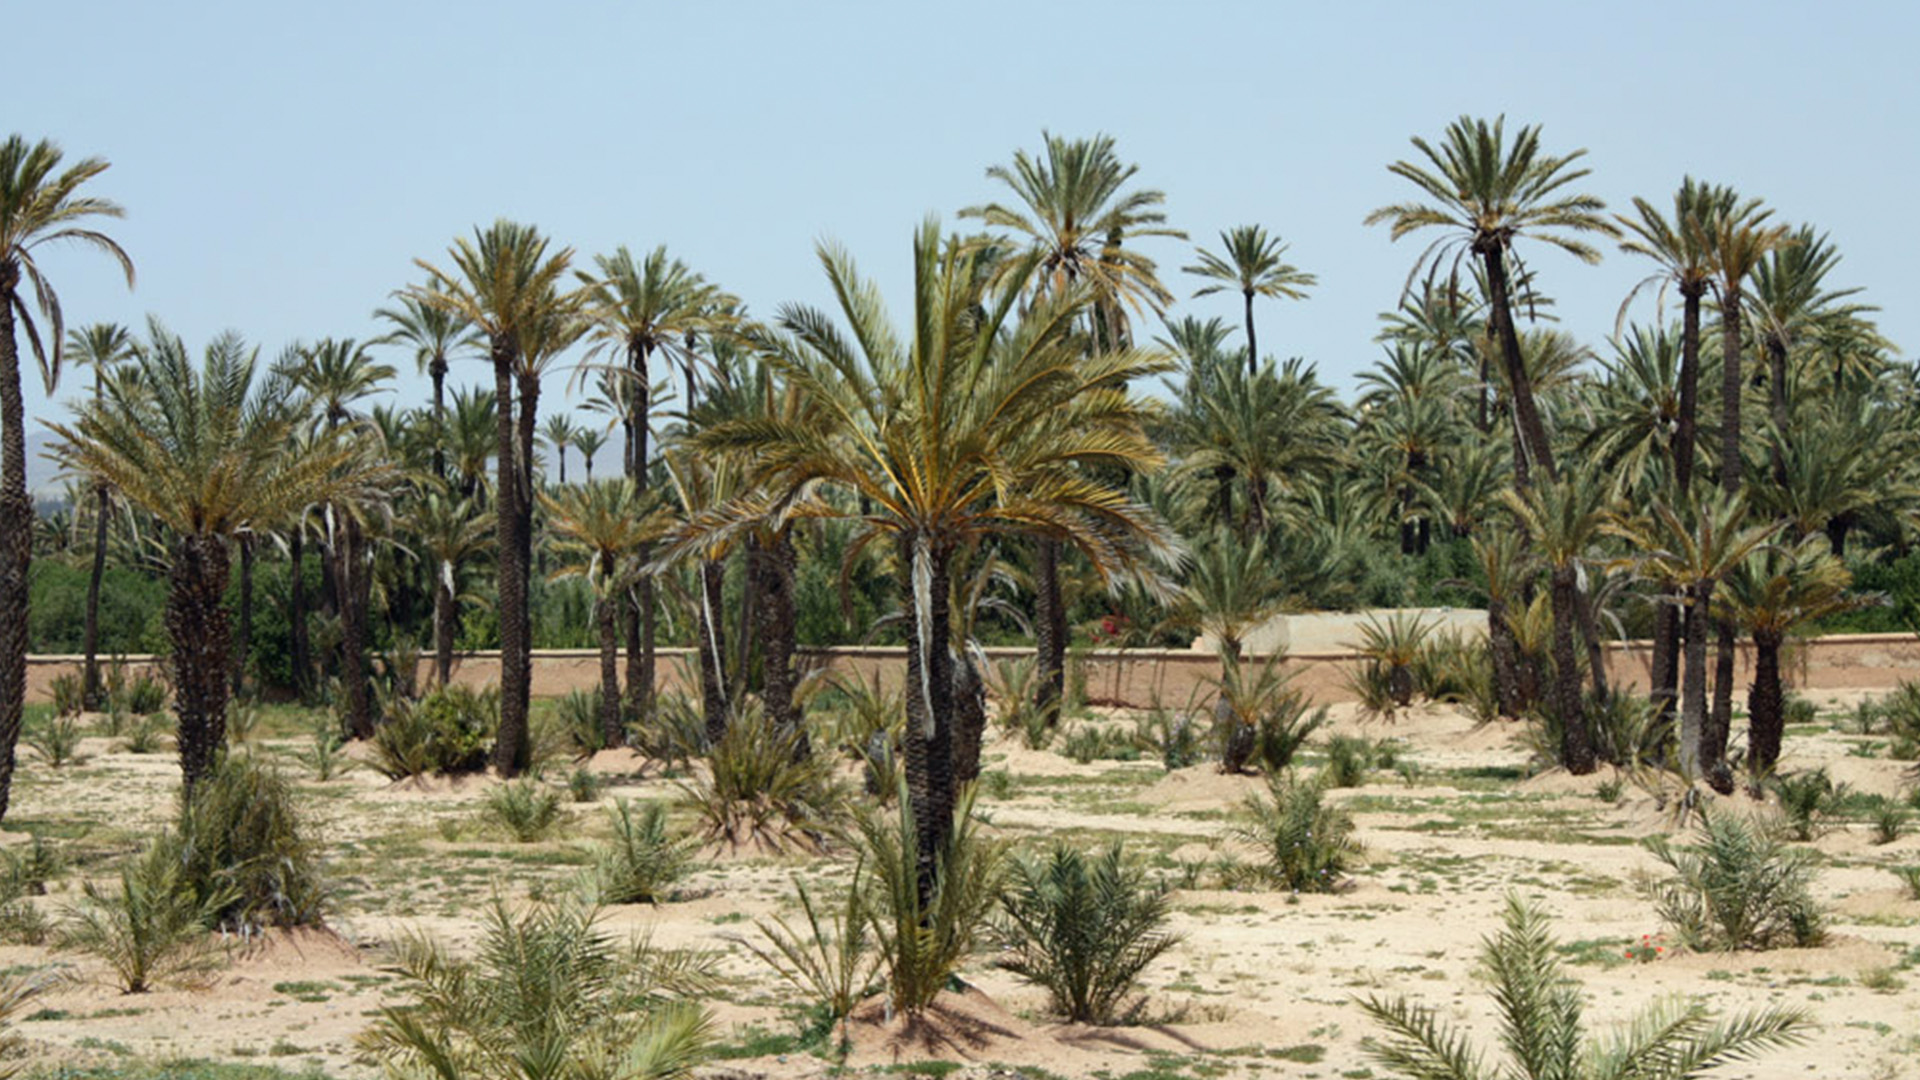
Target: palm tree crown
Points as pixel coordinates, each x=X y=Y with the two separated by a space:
x=1255 y=264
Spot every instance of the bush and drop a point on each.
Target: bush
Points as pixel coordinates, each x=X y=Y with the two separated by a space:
x=326 y=755
x=153 y=929
x=1889 y=819
x=132 y=609
x=835 y=963
x=1085 y=930
x=641 y=860
x=1897 y=714
x=244 y=845
x=147 y=735
x=578 y=716
x=56 y=740
x=923 y=939
x=759 y=790
x=1349 y=759
x=1088 y=743
x=145 y=694
x=1736 y=888
x=1540 y=1019
x=1307 y=846
x=583 y=785
x=448 y=731
x=1807 y=801
x=1910 y=877
x=1172 y=737
x=68 y=695
x=24 y=873
x=527 y=809
x=1259 y=716
x=546 y=994
x=1457 y=669
x=675 y=734
x=1391 y=649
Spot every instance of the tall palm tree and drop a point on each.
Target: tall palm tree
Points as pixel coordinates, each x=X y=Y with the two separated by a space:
x=102 y=347
x=635 y=310
x=203 y=450
x=601 y=527
x=472 y=440
x=1771 y=593
x=505 y=282
x=37 y=207
x=452 y=534
x=701 y=487
x=588 y=440
x=1273 y=429
x=1074 y=213
x=1255 y=264
x=559 y=433
x=1791 y=305
x=977 y=423
x=436 y=334
x=1486 y=194
x=1739 y=237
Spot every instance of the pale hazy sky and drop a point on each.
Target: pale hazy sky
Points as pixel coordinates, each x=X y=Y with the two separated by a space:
x=282 y=165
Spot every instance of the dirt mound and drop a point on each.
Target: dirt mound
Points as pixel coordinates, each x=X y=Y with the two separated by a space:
x=1201 y=787
x=963 y=1026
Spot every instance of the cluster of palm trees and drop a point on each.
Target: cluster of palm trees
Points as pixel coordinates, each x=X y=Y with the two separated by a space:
x=997 y=437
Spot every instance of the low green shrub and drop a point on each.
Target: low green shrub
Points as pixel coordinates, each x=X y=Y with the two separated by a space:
x=1349 y=759
x=757 y=789
x=1889 y=819
x=1084 y=929
x=56 y=739
x=146 y=735
x=577 y=714
x=1736 y=888
x=1910 y=877
x=448 y=731
x=527 y=809
x=642 y=860
x=924 y=936
x=1306 y=845
x=1260 y=717
x=835 y=964
x=244 y=843
x=1808 y=802
x=69 y=696
x=584 y=785
x=1170 y=736
x=152 y=928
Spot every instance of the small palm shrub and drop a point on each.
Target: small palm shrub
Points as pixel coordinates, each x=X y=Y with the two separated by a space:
x=526 y=809
x=1889 y=820
x=758 y=789
x=578 y=716
x=245 y=844
x=835 y=964
x=1391 y=648
x=147 y=735
x=144 y=694
x=1170 y=736
x=1543 y=1029
x=325 y=756
x=1797 y=709
x=1305 y=844
x=675 y=734
x=448 y=731
x=243 y=722
x=642 y=860
x=923 y=937
x=1897 y=714
x=547 y=994
x=56 y=739
x=1088 y=743
x=1259 y=716
x=152 y=929
x=1910 y=877
x=1736 y=888
x=1084 y=929
x=1349 y=759
x=24 y=873
x=117 y=720
x=69 y=696
x=1808 y=802
x=1014 y=683
x=1458 y=669
x=584 y=785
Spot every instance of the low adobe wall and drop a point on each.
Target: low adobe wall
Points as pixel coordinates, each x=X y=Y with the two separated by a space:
x=1137 y=678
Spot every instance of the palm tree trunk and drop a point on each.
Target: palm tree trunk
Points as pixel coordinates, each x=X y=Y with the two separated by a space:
x=1777 y=394
x=1576 y=744
x=744 y=628
x=1506 y=660
x=1526 y=415
x=298 y=643
x=640 y=613
x=929 y=733
x=1665 y=663
x=1713 y=737
x=353 y=585
x=1050 y=630
x=969 y=717
x=713 y=650
x=243 y=632
x=444 y=619
x=606 y=609
x=510 y=742
x=16 y=537
x=91 y=693
x=1730 y=387
x=1687 y=424
x=437 y=369
x=1693 y=684
x=1766 y=706
x=1253 y=350
x=772 y=569
x=198 y=631
x=1596 y=642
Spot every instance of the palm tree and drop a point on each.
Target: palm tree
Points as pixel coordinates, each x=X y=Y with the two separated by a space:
x=1773 y=591
x=702 y=486
x=102 y=347
x=1255 y=264
x=472 y=439
x=589 y=440
x=1273 y=428
x=1791 y=305
x=1542 y=1027
x=978 y=423
x=636 y=310
x=204 y=452
x=507 y=285
x=601 y=526
x=436 y=334
x=1486 y=195
x=1738 y=238
x=37 y=207
x=560 y=433
x=1073 y=215
x=1229 y=589
x=452 y=533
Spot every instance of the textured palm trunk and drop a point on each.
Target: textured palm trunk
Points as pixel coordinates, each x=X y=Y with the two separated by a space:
x=510 y=742
x=929 y=733
x=1594 y=640
x=1050 y=630
x=777 y=627
x=640 y=613
x=1719 y=726
x=745 y=626
x=1526 y=414
x=606 y=608
x=445 y=622
x=1693 y=683
x=969 y=717
x=243 y=631
x=1766 y=706
x=1687 y=425
x=1664 y=673
x=198 y=631
x=713 y=650
x=1576 y=744
x=92 y=694
x=1777 y=400
x=1506 y=660
x=353 y=584
x=1730 y=386
x=437 y=370
x=1253 y=349
x=16 y=537
x=298 y=642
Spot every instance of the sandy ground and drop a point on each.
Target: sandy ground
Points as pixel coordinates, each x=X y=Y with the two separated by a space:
x=1263 y=983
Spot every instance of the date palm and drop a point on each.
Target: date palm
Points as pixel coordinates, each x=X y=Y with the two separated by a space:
x=102 y=347
x=980 y=422
x=472 y=440
x=451 y=533
x=204 y=450
x=40 y=204
x=436 y=335
x=600 y=528
x=1792 y=305
x=588 y=440
x=1773 y=592
x=1255 y=264
x=1486 y=194
x=559 y=433
x=1739 y=237
x=506 y=282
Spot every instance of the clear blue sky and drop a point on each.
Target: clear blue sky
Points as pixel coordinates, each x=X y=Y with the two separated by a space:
x=283 y=165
